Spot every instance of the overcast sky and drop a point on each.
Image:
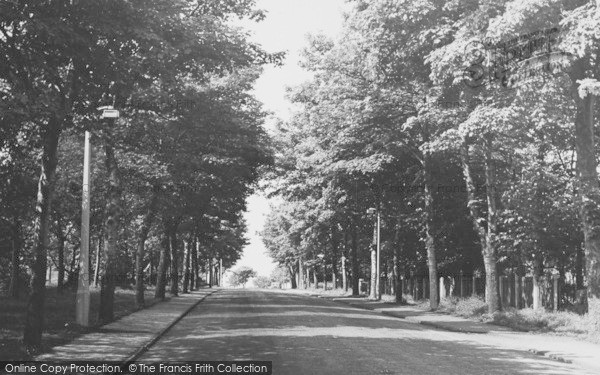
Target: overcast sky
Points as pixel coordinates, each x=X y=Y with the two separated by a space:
x=285 y=29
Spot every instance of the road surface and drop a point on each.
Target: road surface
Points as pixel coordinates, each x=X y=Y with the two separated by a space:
x=306 y=335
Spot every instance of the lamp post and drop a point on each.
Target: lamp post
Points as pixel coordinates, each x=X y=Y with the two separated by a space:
x=372 y=211
x=82 y=305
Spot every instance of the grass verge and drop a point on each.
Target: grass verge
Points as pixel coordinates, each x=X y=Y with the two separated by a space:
x=59 y=327
x=564 y=323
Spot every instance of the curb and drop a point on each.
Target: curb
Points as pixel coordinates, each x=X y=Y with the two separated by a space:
x=553 y=356
x=449 y=328
x=160 y=334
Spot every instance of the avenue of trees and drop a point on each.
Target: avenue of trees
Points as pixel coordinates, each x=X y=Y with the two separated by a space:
x=169 y=178
x=477 y=162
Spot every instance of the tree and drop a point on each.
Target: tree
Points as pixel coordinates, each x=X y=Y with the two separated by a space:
x=241 y=275
x=62 y=60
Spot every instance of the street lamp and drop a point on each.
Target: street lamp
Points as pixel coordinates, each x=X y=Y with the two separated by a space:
x=82 y=305
x=373 y=211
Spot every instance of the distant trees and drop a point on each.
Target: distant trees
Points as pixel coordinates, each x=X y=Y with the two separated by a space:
x=241 y=276
x=170 y=177
x=262 y=282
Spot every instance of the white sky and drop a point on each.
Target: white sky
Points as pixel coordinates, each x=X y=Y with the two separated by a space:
x=287 y=24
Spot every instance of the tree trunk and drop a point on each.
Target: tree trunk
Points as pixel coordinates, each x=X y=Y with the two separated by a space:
x=194 y=265
x=589 y=194
x=34 y=320
x=485 y=234
x=61 y=262
x=579 y=267
x=335 y=243
x=97 y=267
x=429 y=233
x=489 y=258
x=301 y=282
x=315 y=278
x=141 y=250
x=354 y=260
x=111 y=231
x=333 y=276
x=174 y=259
x=187 y=260
x=221 y=272
x=538 y=222
x=197 y=266
x=396 y=265
x=209 y=273
x=334 y=273
x=163 y=264
x=17 y=244
x=538 y=273
x=72 y=279
x=344 y=273
x=292 y=272
x=324 y=275
x=217 y=278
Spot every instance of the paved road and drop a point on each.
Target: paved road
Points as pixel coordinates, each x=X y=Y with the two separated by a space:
x=304 y=335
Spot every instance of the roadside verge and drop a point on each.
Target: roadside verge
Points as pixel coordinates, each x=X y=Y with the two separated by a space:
x=126 y=339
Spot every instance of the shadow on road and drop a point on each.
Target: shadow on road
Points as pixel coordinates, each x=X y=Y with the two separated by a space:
x=303 y=335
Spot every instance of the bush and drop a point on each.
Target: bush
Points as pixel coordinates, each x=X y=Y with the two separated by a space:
x=562 y=322
x=470 y=307
x=539 y=320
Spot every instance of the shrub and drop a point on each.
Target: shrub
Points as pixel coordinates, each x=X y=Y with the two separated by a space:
x=470 y=307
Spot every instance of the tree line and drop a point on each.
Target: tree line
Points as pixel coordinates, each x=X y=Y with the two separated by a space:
x=468 y=125
x=169 y=182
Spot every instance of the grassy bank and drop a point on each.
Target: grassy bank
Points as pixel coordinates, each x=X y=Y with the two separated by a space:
x=59 y=318
x=586 y=327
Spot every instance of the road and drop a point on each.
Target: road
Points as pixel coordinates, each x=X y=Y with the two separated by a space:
x=306 y=335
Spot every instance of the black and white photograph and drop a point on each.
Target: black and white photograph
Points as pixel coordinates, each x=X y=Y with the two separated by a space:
x=300 y=187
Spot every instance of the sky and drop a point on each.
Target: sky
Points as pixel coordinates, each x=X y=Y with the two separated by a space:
x=287 y=24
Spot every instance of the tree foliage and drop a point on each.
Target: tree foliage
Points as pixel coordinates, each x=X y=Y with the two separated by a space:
x=468 y=125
